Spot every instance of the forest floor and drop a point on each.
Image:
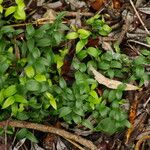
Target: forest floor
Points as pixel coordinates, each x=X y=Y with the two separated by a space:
x=125 y=29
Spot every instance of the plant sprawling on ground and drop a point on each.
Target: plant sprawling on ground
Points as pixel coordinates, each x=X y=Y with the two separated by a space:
x=32 y=87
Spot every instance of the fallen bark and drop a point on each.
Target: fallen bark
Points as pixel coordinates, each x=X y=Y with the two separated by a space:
x=45 y=128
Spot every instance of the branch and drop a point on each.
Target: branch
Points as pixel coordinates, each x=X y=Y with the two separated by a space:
x=45 y=128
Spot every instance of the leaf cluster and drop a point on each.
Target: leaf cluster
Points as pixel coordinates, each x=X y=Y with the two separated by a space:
x=18 y=11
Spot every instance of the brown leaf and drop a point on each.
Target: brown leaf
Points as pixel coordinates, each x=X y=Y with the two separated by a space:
x=112 y=84
x=117 y=4
x=97 y=4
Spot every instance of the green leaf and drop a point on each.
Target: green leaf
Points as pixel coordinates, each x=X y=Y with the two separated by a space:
x=62 y=83
x=43 y=42
x=80 y=45
x=4 y=67
x=140 y=60
x=30 y=136
x=36 y=52
x=93 y=51
x=30 y=30
x=52 y=100
x=19 y=2
x=9 y=101
x=58 y=37
x=78 y=110
x=29 y=70
x=11 y=90
x=10 y=10
x=121 y=87
x=7 y=29
x=148 y=40
x=72 y=35
x=76 y=64
x=106 y=125
x=112 y=95
x=22 y=116
x=65 y=111
x=82 y=54
x=87 y=124
x=59 y=61
x=20 y=99
x=32 y=85
x=107 y=28
x=103 y=110
x=40 y=78
x=1 y=97
x=115 y=64
x=119 y=94
x=20 y=13
x=145 y=52
x=139 y=71
x=107 y=56
x=117 y=47
x=94 y=94
x=84 y=34
x=76 y=118
x=111 y=73
x=22 y=133
x=31 y=44
x=1 y=1
x=1 y=9
x=14 y=109
x=104 y=65
x=82 y=67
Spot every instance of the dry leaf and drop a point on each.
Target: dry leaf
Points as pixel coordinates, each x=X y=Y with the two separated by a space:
x=145 y=10
x=112 y=84
x=97 y=4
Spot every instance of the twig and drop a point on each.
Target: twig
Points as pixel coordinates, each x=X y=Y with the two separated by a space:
x=138 y=42
x=125 y=28
x=86 y=14
x=75 y=144
x=141 y=21
x=138 y=144
x=45 y=128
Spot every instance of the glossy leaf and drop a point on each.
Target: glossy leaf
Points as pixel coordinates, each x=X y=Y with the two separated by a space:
x=80 y=45
x=11 y=90
x=83 y=34
x=52 y=100
x=8 y=102
x=72 y=35
x=93 y=51
x=29 y=70
x=40 y=78
x=10 y=10
x=1 y=9
x=20 y=99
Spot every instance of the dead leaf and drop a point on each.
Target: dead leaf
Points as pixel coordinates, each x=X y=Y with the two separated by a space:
x=145 y=10
x=35 y=146
x=112 y=84
x=19 y=144
x=97 y=4
x=117 y=4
